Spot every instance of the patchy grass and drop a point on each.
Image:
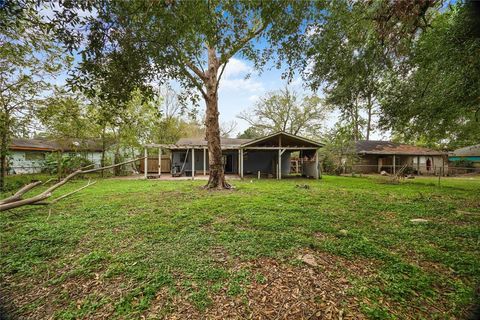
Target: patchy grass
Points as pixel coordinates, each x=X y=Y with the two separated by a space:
x=126 y=249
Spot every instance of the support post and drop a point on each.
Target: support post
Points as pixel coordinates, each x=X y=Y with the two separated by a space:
x=418 y=165
x=159 y=162
x=204 y=161
x=279 y=165
x=394 y=164
x=193 y=164
x=238 y=163
x=145 y=163
x=241 y=163
x=316 y=164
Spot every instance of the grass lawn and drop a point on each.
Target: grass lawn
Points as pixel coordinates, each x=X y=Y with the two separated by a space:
x=345 y=247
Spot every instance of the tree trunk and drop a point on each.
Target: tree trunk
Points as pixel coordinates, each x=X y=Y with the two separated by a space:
x=212 y=131
x=102 y=159
x=3 y=160
x=4 y=150
x=369 y=120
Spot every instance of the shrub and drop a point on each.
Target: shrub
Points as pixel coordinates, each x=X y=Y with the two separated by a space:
x=65 y=163
x=462 y=163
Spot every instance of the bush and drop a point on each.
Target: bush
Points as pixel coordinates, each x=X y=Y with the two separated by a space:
x=16 y=181
x=64 y=163
x=463 y=164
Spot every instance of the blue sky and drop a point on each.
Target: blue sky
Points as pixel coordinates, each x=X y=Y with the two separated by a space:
x=237 y=92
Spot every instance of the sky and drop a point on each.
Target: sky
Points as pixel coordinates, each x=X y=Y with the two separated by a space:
x=241 y=87
x=238 y=93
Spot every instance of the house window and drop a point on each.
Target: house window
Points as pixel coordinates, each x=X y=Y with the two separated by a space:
x=33 y=156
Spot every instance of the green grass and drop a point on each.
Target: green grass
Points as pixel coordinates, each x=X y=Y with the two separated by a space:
x=116 y=247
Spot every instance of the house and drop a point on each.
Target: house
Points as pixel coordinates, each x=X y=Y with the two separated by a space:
x=256 y=157
x=28 y=155
x=470 y=154
x=376 y=156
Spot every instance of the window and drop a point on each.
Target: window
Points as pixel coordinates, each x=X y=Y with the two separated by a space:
x=34 y=156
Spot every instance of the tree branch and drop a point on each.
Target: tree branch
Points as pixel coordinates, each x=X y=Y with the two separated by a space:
x=47 y=193
x=18 y=195
x=241 y=43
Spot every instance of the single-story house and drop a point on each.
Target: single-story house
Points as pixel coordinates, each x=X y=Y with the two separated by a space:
x=262 y=156
x=28 y=155
x=376 y=156
x=470 y=154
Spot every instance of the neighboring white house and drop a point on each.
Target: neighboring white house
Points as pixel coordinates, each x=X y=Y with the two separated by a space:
x=28 y=155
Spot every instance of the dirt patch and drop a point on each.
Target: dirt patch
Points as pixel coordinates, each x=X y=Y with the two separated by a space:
x=276 y=290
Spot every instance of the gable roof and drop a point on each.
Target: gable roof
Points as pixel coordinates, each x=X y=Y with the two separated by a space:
x=288 y=139
x=201 y=142
x=388 y=147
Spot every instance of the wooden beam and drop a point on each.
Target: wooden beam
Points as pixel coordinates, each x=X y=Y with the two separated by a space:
x=238 y=164
x=145 y=163
x=204 y=161
x=159 y=162
x=193 y=164
x=280 y=148
x=394 y=169
x=241 y=163
x=279 y=165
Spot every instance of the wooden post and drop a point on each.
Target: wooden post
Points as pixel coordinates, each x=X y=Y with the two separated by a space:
x=204 y=161
x=316 y=163
x=418 y=165
x=393 y=164
x=238 y=163
x=241 y=163
x=279 y=165
x=145 y=163
x=159 y=162
x=193 y=164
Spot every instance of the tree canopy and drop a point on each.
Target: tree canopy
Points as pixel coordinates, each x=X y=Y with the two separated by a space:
x=286 y=110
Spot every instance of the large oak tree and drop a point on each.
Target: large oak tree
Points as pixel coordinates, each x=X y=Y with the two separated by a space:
x=131 y=43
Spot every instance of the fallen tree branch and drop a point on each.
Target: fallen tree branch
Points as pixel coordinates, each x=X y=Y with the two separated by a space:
x=18 y=195
x=75 y=191
x=46 y=182
x=48 y=193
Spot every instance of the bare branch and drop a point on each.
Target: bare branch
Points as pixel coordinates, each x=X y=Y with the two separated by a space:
x=47 y=193
x=75 y=191
x=18 y=195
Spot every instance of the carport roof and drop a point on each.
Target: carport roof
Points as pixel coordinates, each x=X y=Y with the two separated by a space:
x=275 y=140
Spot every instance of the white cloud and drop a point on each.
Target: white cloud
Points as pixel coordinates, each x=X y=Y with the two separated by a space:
x=236 y=77
x=236 y=67
x=241 y=85
x=253 y=98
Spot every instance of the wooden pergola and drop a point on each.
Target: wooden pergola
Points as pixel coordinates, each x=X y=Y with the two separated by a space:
x=279 y=141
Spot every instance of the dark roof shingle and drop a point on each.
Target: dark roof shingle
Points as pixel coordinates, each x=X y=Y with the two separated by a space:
x=388 y=147
x=52 y=145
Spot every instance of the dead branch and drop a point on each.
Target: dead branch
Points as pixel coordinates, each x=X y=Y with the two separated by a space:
x=46 y=182
x=18 y=195
x=75 y=191
x=47 y=193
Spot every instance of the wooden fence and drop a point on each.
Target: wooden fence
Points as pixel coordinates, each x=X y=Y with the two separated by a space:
x=152 y=165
